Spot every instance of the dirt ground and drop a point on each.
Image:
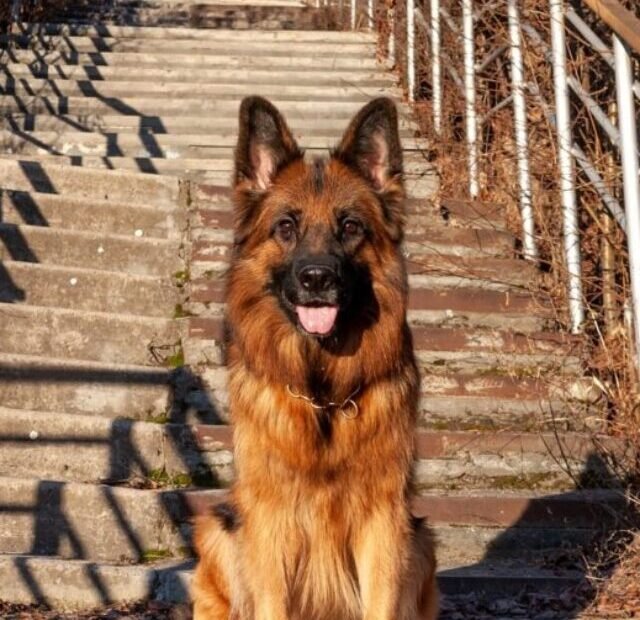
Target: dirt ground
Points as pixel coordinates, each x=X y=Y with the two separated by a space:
x=139 y=611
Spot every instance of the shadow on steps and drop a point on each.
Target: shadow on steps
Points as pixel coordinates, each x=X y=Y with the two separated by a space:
x=52 y=510
x=573 y=572
x=52 y=517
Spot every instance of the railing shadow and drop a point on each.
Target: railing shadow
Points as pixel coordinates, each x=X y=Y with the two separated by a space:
x=54 y=102
x=53 y=531
x=568 y=540
x=13 y=244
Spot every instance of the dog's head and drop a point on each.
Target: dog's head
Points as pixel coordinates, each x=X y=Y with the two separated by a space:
x=319 y=239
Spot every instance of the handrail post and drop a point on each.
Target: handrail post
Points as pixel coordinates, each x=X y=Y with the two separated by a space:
x=567 y=183
x=370 y=20
x=354 y=7
x=470 y=95
x=529 y=246
x=411 y=66
x=391 y=43
x=436 y=67
x=629 y=157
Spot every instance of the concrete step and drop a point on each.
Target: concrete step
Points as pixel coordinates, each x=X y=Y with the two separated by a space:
x=311 y=132
x=583 y=509
x=200 y=169
x=217 y=150
x=40 y=444
x=479 y=399
x=421 y=186
x=461 y=307
x=292 y=106
x=51 y=177
x=61 y=518
x=426 y=236
x=522 y=413
x=150 y=144
x=459 y=460
x=474 y=213
x=89 y=289
x=465 y=350
x=428 y=267
x=74 y=585
x=286 y=43
x=81 y=335
x=439 y=350
x=108 y=89
x=90 y=388
x=96 y=216
x=453 y=270
x=78 y=584
x=165 y=33
x=257 y=77
x=73 y=447
x=132 y=254
x=166 y=59
x=469 y=306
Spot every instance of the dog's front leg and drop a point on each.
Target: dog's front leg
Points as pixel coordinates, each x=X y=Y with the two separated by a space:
x=380 y=556
x=263 y=550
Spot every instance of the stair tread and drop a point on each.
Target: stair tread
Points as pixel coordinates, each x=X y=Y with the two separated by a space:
x=84 y=423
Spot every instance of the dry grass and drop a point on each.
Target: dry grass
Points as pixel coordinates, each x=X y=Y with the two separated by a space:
x=607 y=332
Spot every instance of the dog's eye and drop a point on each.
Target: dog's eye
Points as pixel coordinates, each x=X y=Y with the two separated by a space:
x=351 y=228
x=286 y=229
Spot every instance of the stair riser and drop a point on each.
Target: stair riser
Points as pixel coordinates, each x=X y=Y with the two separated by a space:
x=79 y=448
x=210 y=61
x=423 y=187
x=439 y=278
x=206 y=348
x=462 y=401
x=73 y=585
x=340 y=111
x=40 y=285
x=498 y=413
x=258 y=78
x=77 y=336
x=159 y=124
x=166 y=32
x=81 y=586
x=452 y=318
x=67 y=213
x=50 y=178
x=51 y=518
x=218 y=157
x=283 y=47
x=122 y=255
x=143 y=88
x=101 y=393
x=126 y=144
x=97 y=457
x=427 y=238
x=46 y=511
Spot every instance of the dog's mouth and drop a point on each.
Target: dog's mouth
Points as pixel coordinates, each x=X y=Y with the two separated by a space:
x=317 y=320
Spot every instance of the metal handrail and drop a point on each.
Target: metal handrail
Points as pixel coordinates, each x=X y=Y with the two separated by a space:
x=623 y=22
x=623 y=137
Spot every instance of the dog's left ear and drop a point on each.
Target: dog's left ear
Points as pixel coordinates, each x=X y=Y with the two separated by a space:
x=265 y=144
x=371 y=147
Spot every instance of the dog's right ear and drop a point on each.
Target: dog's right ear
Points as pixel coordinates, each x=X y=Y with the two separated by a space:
x=265 y=144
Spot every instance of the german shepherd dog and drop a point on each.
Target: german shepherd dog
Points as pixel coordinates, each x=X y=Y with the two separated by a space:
x=323 y=387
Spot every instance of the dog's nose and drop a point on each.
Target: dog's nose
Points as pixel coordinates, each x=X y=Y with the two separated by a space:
x=317 y=278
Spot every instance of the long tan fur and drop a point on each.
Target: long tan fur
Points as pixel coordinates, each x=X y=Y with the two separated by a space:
x=318 y=525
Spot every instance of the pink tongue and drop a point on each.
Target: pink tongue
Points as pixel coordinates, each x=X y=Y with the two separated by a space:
x=317 y=320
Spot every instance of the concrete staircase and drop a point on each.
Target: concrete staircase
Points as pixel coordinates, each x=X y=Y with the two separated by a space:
x=116 y=145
